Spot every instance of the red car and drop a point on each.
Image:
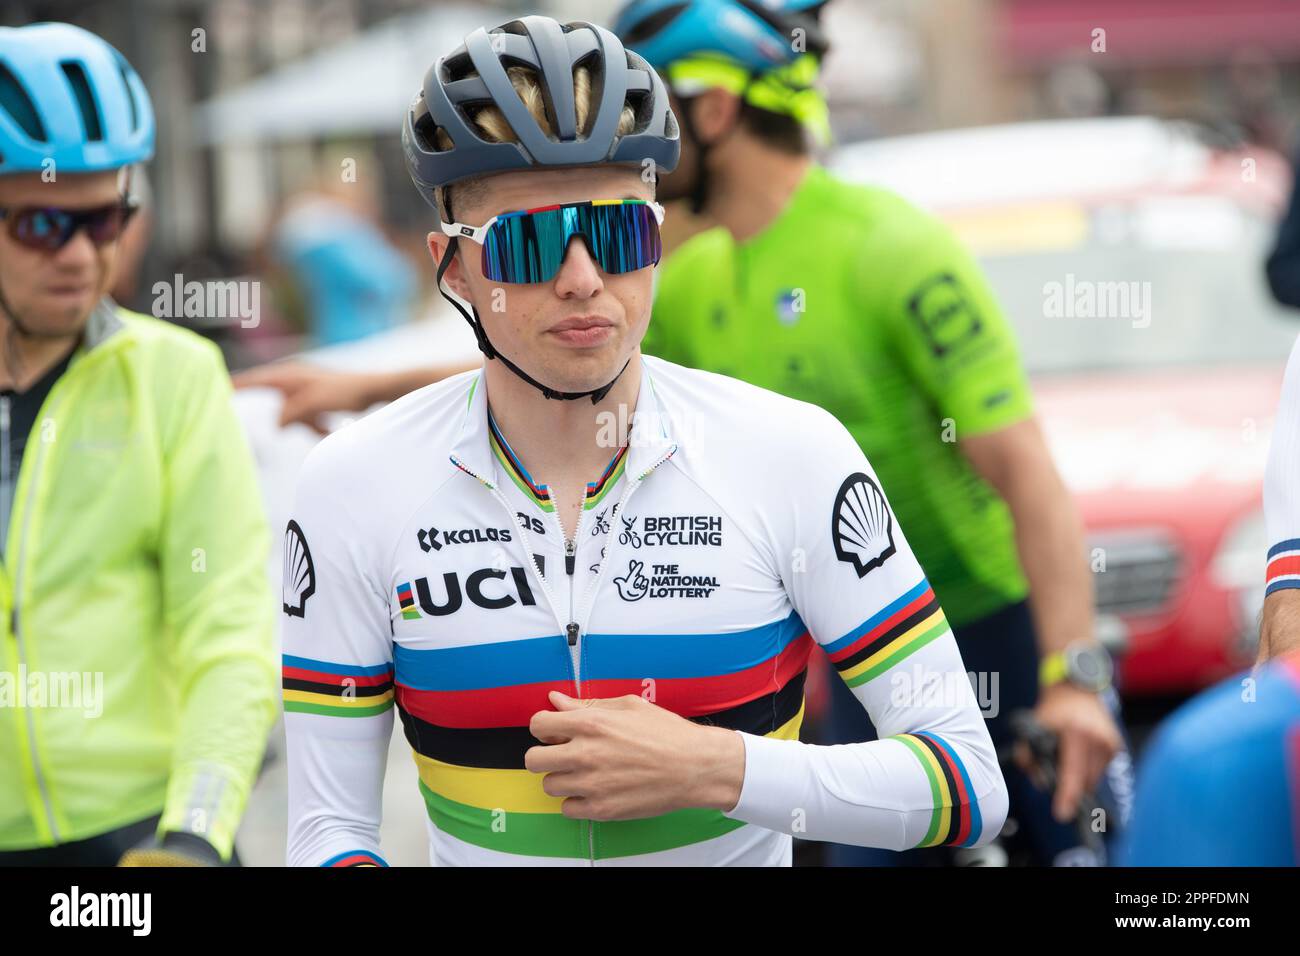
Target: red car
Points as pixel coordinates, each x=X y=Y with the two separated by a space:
x=1129 y=254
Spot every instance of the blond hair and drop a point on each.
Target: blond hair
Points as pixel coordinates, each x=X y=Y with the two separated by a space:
x=493 y=126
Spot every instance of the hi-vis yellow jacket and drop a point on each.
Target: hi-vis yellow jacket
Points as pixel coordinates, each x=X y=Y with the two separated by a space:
x=137 y=668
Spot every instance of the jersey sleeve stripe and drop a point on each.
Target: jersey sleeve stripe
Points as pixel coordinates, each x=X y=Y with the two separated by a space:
x=955 y=819
x=356 y=858
x=1283 y=566
x=335 y=690
x=878 y=620
x=894 y=647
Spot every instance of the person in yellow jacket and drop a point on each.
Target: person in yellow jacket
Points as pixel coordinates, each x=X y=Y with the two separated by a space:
x=137 y=663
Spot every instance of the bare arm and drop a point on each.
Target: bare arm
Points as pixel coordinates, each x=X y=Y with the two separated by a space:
x=1279 y=632
x=1049 y=533
x=1049 y=537
x=310 y=392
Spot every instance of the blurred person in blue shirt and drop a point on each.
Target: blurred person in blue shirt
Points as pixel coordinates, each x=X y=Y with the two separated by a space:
x=352 y=280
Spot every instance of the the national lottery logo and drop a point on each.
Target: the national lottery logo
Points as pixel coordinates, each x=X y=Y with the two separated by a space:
x=662 y=581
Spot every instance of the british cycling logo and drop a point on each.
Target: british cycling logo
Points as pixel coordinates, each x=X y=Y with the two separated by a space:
x=427 y=538
x=862 y=527
x=663 y=581
x=668 y=530
x=298 y=582
x=474 y=589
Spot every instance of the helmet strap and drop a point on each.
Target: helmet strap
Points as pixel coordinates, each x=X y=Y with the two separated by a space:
x=486 y=347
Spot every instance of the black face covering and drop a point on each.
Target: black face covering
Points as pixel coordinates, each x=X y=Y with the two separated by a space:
x=486 y=347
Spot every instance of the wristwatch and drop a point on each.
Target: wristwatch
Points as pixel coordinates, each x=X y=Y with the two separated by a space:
x=1083 y=664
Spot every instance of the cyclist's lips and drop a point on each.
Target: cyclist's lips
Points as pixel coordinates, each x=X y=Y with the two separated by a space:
x=69 y=291
x=583 y=331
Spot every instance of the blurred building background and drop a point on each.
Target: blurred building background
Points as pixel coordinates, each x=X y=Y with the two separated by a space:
x=260 y=101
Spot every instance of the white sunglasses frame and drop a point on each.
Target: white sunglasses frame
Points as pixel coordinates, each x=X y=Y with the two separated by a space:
x=479 y=233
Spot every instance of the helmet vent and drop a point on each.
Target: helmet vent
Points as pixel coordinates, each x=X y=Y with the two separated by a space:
x=653 y=24
x=15 y=101
x=130 y=96
x=76 y=75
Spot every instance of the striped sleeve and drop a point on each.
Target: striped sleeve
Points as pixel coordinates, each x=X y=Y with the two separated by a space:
x=933 y=777
x=337 y=674
x=1282 y=485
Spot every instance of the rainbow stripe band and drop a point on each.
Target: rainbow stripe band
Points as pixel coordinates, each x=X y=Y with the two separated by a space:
x=956 y=817
x=540 y=493
x=888 y=637
x=466 y=710
x=1283 y=566
x=514 y=815
x=335 y=690
x=356 y=858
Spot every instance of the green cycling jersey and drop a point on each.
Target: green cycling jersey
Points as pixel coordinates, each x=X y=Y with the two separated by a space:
x=857 y=301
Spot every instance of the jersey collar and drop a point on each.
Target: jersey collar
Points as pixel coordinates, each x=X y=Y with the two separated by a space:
x=650 y=441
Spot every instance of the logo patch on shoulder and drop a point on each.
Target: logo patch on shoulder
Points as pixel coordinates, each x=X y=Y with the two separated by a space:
x=298 y=582
x=862 y=527
x=945 y=314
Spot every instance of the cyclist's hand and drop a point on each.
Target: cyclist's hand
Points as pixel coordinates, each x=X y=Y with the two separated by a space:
x=1087 y=740
x=309 y=392
x=624 y=758
x=174 y=849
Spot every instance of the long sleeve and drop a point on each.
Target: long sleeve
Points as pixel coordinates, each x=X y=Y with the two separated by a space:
x=933 y=777
x=338 y=672
x=1282 y=484
x=218 y=606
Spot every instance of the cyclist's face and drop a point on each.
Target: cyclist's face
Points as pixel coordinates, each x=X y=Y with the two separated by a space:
x=576 y=331
x=53 y=293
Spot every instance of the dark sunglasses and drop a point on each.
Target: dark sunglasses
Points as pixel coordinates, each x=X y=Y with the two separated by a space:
x=49 y=229
x=530 y=245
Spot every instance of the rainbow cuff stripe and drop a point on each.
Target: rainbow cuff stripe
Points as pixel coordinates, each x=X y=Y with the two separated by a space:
x=1283 y=566
x=466 y=710
x=596 y=490
x=956 y=816
x=335 y=690
x=897 y=631
x=356 y=858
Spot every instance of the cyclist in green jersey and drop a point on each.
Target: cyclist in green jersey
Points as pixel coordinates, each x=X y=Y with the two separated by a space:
x=852 y=299
x=137 y=674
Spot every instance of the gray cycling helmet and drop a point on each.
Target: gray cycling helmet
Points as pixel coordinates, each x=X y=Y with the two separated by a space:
x=474 y=75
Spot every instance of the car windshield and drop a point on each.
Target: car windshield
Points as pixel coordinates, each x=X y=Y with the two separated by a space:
x=1171 y=281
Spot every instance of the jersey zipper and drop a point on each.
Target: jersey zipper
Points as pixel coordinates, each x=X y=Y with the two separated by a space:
x=573 y=629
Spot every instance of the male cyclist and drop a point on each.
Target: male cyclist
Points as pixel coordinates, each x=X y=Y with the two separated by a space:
x=850 y=298
x=589 y=581
x=136 y=671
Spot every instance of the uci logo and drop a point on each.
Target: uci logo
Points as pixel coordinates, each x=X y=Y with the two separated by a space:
x=476 y=589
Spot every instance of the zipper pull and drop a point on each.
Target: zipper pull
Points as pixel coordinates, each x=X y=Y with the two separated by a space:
x=570 y=554
x=572 y=631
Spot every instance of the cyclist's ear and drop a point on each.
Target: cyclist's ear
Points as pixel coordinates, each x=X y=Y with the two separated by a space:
x=454 y=277
x=714 y=114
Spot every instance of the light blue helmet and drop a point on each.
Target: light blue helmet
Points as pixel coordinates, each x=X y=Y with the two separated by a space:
x=754 y=33
x=67 y=96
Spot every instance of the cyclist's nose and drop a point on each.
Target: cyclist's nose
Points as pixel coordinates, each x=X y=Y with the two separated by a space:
x=579 y=276
x=78 y=251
